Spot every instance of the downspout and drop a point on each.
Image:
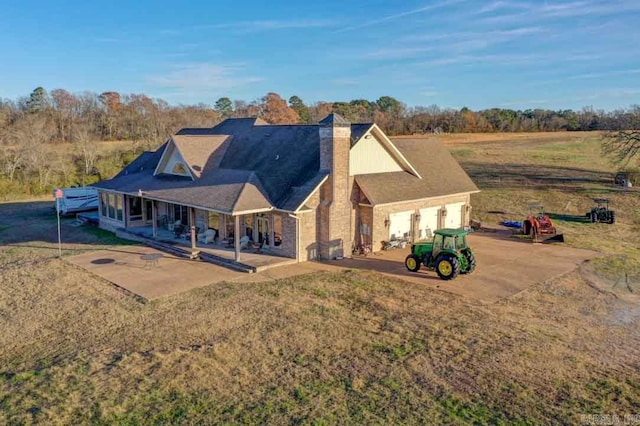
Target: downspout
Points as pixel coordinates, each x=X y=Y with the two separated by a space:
x=297 y=235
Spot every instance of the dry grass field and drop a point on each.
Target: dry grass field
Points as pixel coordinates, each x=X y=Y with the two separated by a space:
x=352 y=347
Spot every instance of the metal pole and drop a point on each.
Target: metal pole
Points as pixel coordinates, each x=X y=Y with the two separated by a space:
x=58 y=214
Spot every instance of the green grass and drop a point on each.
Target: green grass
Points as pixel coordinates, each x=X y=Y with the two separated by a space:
x=351 y=347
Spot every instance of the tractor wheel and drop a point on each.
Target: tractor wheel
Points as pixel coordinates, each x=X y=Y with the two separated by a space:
x=412 y=263
x=526 y=227
x=594 y=217
x=471 y=262
x=447 y=266
x=612 y=217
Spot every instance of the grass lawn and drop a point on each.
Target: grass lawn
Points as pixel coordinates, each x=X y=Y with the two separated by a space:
x=350 y=347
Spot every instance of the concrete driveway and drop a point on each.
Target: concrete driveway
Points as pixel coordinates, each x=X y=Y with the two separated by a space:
x=506 y=266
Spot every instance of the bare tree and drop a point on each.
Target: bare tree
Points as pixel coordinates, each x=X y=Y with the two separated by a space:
x=85 y=148
x=622 y=146
x=11 y=160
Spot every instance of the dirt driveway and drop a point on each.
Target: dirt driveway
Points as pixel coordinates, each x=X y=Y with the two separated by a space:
x=506 y=266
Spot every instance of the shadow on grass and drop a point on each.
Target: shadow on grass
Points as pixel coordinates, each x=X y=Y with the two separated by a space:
x=569 y=218
x=535 y=176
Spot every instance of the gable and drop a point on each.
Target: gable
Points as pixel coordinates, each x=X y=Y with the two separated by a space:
x=172 y=163
x=369 y=156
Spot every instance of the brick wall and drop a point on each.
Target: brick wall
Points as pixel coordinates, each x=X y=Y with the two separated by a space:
x=336 y=215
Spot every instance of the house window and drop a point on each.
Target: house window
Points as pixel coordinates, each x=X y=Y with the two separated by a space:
x=179 y=169
x=104 y=204
x=135 y=209
x=111 y=206
x=180 y=213
x=119 y=213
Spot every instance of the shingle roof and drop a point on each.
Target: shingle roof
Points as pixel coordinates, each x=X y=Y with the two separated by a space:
x=441 y=175
x=247 y=165
x=228 y=191
x=201 y=152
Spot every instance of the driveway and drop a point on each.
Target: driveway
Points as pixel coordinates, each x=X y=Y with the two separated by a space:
x=506 y=266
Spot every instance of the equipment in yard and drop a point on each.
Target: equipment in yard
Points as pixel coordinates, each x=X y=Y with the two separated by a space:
x=448 y=253
x=601 y=212
x=540 y=227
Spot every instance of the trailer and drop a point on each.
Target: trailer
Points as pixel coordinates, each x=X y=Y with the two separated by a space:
x=76 y=199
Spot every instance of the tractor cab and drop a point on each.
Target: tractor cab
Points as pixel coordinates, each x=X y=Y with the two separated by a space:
x=444 y=240
x=448 y=253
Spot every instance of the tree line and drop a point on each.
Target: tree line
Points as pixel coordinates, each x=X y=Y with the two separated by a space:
x=51 y=138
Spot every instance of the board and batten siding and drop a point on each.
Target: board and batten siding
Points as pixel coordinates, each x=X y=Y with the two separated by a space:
x=370 y=156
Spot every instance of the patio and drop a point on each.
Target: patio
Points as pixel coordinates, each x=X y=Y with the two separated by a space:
x=126 y=267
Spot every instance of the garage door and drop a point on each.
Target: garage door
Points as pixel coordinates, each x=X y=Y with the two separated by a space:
x=454 y=215
x=400 y=225
x=428 y=222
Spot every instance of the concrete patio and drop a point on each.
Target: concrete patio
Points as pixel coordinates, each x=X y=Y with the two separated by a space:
x=171 y=275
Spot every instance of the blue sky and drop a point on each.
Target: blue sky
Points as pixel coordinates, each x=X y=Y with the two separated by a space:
x=455 y=53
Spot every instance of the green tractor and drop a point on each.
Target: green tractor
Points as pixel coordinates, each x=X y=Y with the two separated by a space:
x=448 y=254
x=601 y=212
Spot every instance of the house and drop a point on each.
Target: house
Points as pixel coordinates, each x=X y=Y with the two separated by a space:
x=302 y=191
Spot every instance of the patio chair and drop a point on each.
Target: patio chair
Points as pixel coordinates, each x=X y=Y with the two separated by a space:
x=209 y=236
x=244 y=243
x=178 y=230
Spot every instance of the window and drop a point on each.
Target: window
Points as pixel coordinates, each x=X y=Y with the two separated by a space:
x=180 y=213
x=135 y=208
x=111 y=206
x=104 y=204
x=179 y=169
x=119 y=213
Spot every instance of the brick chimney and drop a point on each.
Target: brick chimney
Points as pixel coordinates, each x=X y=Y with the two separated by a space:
x=335 y=215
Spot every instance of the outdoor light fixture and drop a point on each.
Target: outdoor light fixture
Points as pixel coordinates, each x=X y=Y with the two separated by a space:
x=386 y=222
x=417 y=216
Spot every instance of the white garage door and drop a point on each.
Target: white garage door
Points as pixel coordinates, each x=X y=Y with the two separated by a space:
x=454 y=215
x=428 y=222
x=400 y=225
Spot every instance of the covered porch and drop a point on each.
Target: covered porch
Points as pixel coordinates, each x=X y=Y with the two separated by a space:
x=250 y=258
x=252 y=238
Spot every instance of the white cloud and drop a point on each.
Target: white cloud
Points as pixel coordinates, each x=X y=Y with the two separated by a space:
x=395 y=16
x=195 y=77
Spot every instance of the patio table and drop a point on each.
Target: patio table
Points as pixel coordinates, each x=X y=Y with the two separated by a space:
x=150 y=259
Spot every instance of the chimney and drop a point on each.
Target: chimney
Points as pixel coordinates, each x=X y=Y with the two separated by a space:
x=335 y=144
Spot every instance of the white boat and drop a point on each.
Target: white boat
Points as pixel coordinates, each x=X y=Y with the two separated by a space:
x=76 y=199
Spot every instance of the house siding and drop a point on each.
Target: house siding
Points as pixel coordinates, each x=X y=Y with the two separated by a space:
x=309 y=242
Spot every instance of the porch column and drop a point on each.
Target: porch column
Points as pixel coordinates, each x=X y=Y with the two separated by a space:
x=236 y=238
x=154 y=217
x=192 y=215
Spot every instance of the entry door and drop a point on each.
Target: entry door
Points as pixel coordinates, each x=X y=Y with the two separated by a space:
x=262 y=226
x=148 y=211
